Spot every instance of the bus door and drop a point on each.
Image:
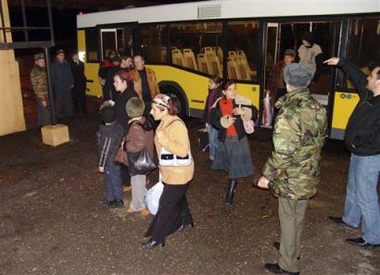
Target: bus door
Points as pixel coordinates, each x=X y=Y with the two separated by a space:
x=108 y=41
x=287 y=35
x=271 y=47
x=326 y=34
x=120 y=39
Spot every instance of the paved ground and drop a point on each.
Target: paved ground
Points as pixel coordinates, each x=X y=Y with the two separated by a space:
x=51 y=221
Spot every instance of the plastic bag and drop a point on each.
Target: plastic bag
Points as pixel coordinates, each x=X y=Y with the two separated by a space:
x=152 y=197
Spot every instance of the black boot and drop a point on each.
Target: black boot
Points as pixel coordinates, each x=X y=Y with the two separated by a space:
x=231 y=191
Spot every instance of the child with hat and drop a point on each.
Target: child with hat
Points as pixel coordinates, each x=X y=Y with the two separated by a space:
x=109 y=138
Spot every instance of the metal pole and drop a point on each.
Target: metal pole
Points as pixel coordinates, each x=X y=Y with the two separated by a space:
x=24 y=22
x=47 y=62
x=50 y=21
x=3 y=22
x=50 y=87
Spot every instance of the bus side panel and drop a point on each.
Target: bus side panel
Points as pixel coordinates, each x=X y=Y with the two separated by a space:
x=93 y=86
x=250 y=91
x=344 y=104
x=90 y=69
x=196 y=87
x=81 y=41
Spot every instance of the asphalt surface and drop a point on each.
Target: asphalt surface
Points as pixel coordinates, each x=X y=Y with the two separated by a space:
x=52 y=220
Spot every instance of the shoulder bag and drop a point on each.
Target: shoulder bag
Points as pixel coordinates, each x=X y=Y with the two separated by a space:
x=167 y=158
x=140 y=163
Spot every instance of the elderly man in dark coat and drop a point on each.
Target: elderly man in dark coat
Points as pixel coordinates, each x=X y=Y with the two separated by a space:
x=63 y=81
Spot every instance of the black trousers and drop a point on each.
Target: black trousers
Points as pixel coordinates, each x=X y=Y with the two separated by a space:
x=79 y=99
x=173 y=211
x=124 y=174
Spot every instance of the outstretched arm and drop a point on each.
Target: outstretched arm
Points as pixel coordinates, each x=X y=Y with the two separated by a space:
x=333 y=61
x=354 y=73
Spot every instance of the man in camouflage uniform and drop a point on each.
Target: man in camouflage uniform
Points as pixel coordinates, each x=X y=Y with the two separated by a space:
x=293 y=168
x=38 y=80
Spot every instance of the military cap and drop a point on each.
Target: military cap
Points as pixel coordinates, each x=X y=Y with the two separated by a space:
x=38 y=56
x=59 y=51
x=297 y=75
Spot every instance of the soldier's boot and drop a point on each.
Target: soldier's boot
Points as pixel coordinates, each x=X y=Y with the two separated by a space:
x=231 y=191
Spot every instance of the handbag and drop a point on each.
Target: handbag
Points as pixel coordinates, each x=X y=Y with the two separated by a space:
x=121 y=156
x=249 y=126
x=140 y=163
x=152 y=197
x=169 y=159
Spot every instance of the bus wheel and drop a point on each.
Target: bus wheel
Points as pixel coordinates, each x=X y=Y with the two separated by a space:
x=177 y=98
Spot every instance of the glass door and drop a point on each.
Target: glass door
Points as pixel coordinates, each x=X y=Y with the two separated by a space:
x=271 y=51
x=108 y=41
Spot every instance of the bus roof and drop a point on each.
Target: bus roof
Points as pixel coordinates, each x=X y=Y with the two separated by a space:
x=228 y=9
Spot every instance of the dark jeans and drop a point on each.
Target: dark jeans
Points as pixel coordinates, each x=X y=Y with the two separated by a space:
x=124 y=175
x=173 y=212
x=112 y=180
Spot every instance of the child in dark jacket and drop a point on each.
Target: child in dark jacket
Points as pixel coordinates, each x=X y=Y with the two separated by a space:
x=108 y=142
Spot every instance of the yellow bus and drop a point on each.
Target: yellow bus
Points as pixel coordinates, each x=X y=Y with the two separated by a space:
x=187 y=43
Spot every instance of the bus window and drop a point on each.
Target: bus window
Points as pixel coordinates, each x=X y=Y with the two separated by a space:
x=197 y=46
x=92 y=39
x=153 y=41
x=243 y=54
x=363 y=45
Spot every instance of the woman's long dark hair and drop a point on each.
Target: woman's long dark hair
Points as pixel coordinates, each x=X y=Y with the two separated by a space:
x=217 y=80
x=227 y=84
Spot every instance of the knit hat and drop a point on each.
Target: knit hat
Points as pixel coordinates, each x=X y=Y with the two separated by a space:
x=162 y=100
x=135 y=107
x=108 y=114
x=297 y=75
x=309 y=37
x=290 y=52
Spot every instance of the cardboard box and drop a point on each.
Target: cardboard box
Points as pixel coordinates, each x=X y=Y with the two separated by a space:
x=55 y=135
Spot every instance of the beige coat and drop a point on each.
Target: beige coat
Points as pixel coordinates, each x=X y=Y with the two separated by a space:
x=152 y=81
x=173 y=136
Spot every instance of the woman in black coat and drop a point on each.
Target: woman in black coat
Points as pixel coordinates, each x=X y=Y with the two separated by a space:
x=124 y=86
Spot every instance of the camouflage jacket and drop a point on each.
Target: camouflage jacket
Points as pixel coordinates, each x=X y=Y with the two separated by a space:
x=39 y=82
x=298 y=136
